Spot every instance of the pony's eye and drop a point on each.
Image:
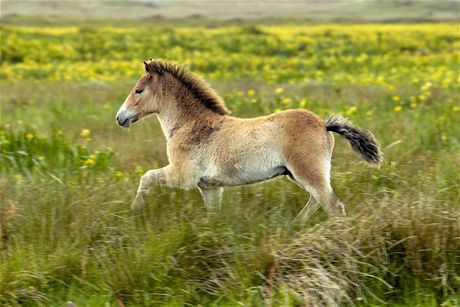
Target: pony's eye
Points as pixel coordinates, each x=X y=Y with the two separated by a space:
x=139 y=91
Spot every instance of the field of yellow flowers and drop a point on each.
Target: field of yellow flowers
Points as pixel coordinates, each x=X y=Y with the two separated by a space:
x=68 y=173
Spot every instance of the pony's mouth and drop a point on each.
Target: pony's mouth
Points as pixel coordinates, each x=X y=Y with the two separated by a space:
x=128 y=121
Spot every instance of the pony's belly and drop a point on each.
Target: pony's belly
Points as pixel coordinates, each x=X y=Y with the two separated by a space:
x=259 y=175
x=246 y=176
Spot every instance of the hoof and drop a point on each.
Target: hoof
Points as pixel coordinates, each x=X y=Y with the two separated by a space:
x=138 y=203
x=342 y=211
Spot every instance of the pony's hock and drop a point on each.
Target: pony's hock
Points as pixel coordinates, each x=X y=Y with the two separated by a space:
x=209 y=149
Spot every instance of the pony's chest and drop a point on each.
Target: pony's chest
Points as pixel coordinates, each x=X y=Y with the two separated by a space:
x=183 y=152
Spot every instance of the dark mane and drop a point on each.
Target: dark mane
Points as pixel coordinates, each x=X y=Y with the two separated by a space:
x=201 y=90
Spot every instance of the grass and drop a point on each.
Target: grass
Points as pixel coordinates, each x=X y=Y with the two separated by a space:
x=69 y=174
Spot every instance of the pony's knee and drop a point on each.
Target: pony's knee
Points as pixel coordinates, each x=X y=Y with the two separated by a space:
x=148 y=174
x=144 y=178
x=147 y=179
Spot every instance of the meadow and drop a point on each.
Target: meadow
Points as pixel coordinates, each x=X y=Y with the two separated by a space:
x=69 y=173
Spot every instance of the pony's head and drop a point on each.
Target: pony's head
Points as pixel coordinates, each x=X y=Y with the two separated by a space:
x=162 y=86
x=143 y=99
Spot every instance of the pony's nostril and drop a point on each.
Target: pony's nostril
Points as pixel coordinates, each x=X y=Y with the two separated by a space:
x=124 y=122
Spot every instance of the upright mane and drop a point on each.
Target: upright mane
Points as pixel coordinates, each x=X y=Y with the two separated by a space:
x=201 y=90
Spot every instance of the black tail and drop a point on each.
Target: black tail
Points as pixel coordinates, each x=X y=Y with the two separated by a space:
x=362 y=141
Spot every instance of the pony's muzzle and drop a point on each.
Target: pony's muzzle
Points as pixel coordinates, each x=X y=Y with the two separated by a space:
x=124 y=118
x=124 y=122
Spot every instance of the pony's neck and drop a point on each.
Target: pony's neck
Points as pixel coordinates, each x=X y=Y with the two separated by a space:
x=179 y=107
x=170 y=122
x=176 y=113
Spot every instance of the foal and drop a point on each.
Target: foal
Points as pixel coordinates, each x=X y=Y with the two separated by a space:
x=209 y=149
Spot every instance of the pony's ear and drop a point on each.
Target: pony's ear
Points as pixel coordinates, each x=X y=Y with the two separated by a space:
x=147 y=68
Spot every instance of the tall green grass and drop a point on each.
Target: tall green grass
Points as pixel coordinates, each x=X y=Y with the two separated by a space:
x=68 y=234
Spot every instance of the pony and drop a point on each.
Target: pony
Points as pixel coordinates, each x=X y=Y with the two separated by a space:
x=209 y=149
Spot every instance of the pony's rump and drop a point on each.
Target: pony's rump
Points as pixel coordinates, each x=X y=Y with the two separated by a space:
x=362 y=141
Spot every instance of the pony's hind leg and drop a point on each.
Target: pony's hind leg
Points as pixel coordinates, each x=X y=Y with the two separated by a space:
x=310 y=167
x=314 y=177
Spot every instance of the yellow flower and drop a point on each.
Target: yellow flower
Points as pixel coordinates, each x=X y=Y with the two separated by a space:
x=455 y=108
x=369 y=113
x=85 y=132
x=351 y=110
x=18 y=177
x=88 y=140
x=286 y=101
x=89 y=161
x=29 y=136
x=397 y=109
x=251 y=92
x=422 y=97
x=413 y=105
x=279 y=90
x=303 y=102
x=118 y=174
x=396 y=98
x=277 y=110
x=426 y=86
x=139 y=170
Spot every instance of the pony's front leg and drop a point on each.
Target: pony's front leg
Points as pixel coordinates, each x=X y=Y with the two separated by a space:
x=212 y=197
x=162 y=177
